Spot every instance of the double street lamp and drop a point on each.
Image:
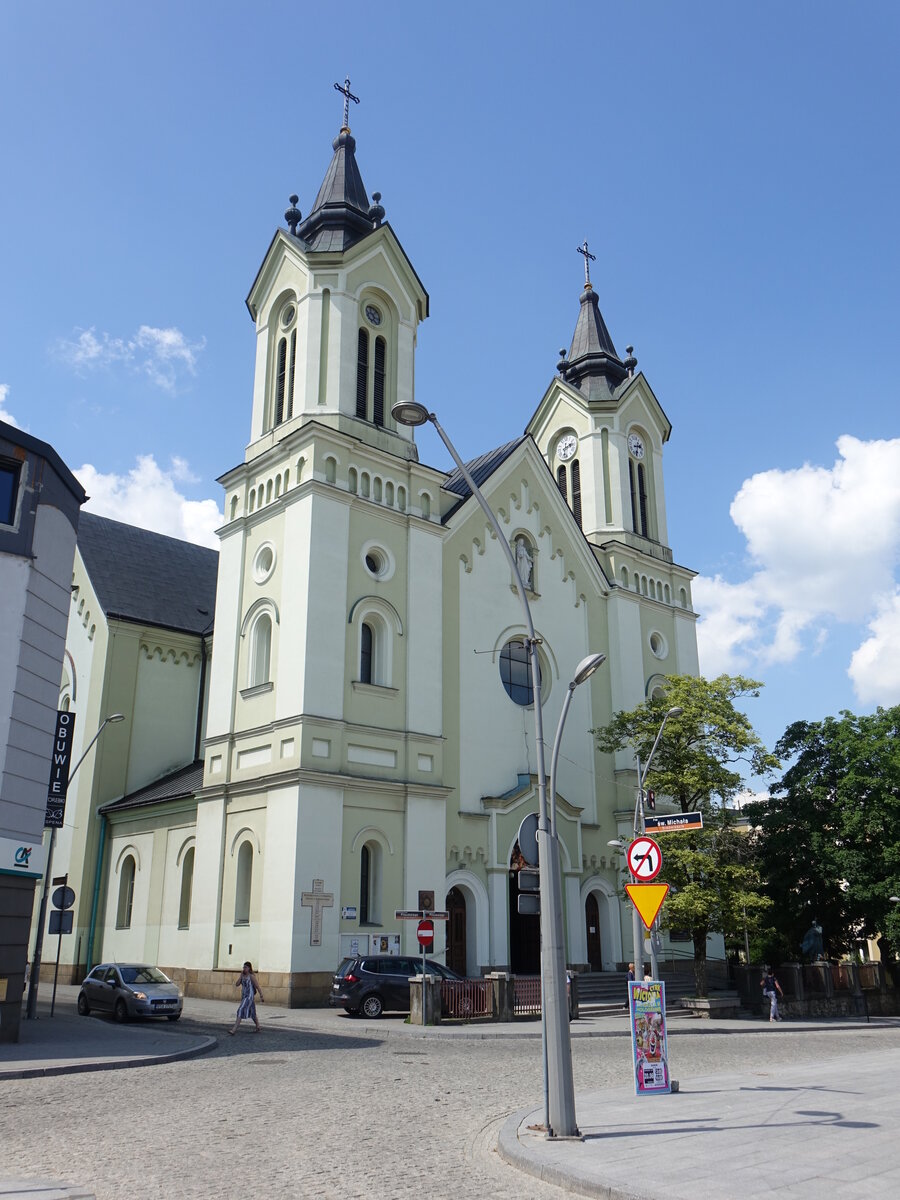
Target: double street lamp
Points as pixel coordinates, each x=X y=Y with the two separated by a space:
x=559 y=1086
x=31 y=1007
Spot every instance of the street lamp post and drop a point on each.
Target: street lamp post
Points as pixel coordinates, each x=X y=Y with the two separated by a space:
x=31 y=1007
x=559 y=1085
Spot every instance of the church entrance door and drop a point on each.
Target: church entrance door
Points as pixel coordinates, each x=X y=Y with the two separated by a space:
x=524 y=932
x=592 y=929
x=456 y=931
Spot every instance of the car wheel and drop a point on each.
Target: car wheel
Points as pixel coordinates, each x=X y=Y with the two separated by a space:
x=84 y=1008
x=120 y=1011
x=372 y=1006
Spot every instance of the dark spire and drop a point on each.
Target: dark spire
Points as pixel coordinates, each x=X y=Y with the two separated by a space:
x=593 y=366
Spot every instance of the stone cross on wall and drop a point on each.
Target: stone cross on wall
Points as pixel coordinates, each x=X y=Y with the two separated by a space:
x=317 y=899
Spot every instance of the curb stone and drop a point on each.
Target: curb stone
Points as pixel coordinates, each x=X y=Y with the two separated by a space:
x=207 y=1043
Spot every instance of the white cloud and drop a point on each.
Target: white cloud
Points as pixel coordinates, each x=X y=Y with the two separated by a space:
x=875 y=665
x=163 y=355
x=147 y=496
x=824 y=544
x=5 y=415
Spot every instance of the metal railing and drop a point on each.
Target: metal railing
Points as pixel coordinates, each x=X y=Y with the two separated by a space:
x=463 y=999
x=527 y=995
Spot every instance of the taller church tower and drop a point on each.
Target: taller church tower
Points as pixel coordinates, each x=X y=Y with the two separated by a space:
x=323 y=762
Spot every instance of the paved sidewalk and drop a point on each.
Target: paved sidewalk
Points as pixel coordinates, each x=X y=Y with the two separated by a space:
x=67 y=1043
x=799 y=1130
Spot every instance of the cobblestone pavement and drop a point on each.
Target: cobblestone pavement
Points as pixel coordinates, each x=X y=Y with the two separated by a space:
x=332 y=1112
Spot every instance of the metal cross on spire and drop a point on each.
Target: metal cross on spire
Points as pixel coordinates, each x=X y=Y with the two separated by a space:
x=588 y=258
x=348 y=96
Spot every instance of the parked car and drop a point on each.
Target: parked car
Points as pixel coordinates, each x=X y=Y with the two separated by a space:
x=130 y=990
x=373 y=983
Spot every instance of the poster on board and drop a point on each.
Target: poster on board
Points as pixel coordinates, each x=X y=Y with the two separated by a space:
x=650 y=1053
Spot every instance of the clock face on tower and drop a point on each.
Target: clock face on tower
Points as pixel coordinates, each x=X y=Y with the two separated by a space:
x=566 y=447
x=635 y=445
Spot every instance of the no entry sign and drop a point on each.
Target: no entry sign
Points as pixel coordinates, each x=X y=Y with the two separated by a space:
x=425 y=932
x=644 y=859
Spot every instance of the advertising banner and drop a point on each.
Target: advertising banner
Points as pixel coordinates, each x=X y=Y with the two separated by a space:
x=59 y=771
x=650 y=1053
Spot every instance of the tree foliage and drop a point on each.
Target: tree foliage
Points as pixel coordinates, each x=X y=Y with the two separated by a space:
x=830 y=830
x=716 y=887
x=697 y=758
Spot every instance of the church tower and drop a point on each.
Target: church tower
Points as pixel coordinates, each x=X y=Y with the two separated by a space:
x=322 y=775
x=602 y=432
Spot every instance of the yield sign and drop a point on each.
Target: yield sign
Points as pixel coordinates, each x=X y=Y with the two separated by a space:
x=644 y=859
x=648 y=899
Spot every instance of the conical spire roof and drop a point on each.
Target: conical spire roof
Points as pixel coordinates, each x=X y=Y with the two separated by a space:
x=593 y=366
x=342 y=213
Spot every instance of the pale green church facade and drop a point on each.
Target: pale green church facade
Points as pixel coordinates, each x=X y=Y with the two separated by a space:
x=332 y=716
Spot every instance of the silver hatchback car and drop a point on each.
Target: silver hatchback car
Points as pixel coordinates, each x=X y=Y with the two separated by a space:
x=130 y=990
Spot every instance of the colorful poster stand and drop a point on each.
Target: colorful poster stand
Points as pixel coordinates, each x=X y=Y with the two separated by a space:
x=650 y=1052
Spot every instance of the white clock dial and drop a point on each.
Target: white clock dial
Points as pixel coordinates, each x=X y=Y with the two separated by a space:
x=566 y=447
x=635 y=445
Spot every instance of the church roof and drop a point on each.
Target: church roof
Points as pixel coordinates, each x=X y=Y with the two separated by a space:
x=593 y=365
x=341 y=213
x=480 y=468
x=148 y=577
x=177 y=785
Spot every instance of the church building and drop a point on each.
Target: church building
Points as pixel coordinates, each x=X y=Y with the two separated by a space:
x=334 y=715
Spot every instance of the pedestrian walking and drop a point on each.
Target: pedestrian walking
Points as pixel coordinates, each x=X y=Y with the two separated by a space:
x=249 y=985
x=631 y=979
x=772 y=989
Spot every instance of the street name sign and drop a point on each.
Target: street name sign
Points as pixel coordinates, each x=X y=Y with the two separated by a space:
x=672 y=822
x=648 y=899
x=419 y=914
x=644 y=859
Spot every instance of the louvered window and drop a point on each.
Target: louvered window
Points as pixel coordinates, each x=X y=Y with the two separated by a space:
x=290 y=395
x=561 y=483
x=378 y=393
x=634 y=506
x=576 y=491
x=642 y=500
x=279 y=381
x=362 y=375
x=365 y=653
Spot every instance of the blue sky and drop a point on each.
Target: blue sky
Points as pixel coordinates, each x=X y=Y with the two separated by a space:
x=732 y=166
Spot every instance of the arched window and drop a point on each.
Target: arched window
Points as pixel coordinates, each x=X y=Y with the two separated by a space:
x=370 y=884
x=366 y=652
x=389 y=494
x=330 y=469
x=126 y=894
x=364 y=485
x=362 y=375
x=280 y=375
x=376 y=490
x=352 y=480
x=378 y=391
x=187 y=887
x=562 y=483
x=576 y=490
x=401 y=499
x=243 y=883
x=290 y=393
x=515 y=672
x=260 y=650
x=426 y=506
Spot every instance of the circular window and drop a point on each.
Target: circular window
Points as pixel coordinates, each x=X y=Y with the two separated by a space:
x=264 y=562
x=377 y=561
x=374 y=562
x=288 y=314
x=515 y=672
x=373 y=314
x=658 y=645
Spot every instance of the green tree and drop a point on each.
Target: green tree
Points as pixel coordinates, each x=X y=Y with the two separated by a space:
x=696 y=764
x=830 y=830
x=697 y=759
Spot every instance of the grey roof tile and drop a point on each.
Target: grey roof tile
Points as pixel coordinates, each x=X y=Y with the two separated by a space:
x=148 y=577
x=480 y=468
x=177 y=785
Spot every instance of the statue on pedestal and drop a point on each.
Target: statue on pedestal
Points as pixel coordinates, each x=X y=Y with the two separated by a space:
x=812 y=943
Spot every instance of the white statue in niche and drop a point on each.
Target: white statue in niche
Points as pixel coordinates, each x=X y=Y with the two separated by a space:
x=524 y=563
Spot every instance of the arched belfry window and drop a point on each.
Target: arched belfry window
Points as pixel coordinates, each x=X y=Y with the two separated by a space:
x=285 y=364
x=378 y=381
x=260 y=650
x=362 y=375
x=576 y=490
x=562 y=483
x=280 y=374
x=638 y=481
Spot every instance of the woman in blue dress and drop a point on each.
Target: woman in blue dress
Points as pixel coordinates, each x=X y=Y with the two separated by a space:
x=249 y=985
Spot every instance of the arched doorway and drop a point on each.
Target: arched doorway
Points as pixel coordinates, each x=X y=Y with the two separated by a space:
x=592 y=932
x=456 y=932
x=524 y=932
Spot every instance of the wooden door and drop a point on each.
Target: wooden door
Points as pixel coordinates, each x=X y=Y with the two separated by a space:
x=456 y=931
x=592 y=928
